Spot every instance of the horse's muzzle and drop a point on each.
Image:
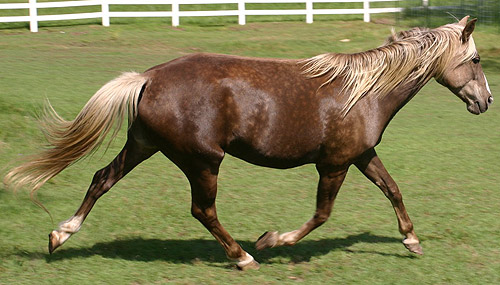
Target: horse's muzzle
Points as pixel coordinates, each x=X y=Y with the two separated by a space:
x=477 y=107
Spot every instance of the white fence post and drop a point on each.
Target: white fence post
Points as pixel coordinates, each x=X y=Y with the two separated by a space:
x=241 y=13
x=105 y=13
x=366 y=10
x=175 y=13
x=309 y=11
x=33 y=16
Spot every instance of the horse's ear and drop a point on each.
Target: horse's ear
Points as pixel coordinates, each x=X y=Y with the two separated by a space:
x=469 y=28
x=464 y=20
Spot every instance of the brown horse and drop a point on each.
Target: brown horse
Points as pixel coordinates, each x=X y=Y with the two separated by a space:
x=330 y=110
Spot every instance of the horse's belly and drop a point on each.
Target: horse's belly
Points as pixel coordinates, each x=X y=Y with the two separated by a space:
x=275 y=156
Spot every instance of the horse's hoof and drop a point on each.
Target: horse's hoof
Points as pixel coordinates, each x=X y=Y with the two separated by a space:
x=56 y=239
x=53 y=241
x=268 y=239
x=254 y=265
x=415 y=248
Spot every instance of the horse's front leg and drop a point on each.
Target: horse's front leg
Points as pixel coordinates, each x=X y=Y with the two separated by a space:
x=371 y=166
x=203 y=180
x=329 y=184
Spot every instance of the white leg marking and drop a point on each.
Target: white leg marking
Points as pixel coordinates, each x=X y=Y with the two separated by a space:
x=410 y=241
x=487 y=85
x=289 y=238
x=72 y=225
x=60 y=237
x=245 y=260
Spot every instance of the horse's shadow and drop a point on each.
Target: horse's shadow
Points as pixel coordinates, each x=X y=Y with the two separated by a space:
x=191 y=251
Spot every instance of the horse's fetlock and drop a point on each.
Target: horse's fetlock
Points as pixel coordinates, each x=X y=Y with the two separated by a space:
x=247 y=262
x=289 y=238
x=406 y=229
x=235 y=252
x=71 y=225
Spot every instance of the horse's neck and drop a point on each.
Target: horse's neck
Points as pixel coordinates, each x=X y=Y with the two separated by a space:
x=389 y=105
x=403 y=94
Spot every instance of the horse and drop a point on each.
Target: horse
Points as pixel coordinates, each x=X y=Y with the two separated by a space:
x=329 y=110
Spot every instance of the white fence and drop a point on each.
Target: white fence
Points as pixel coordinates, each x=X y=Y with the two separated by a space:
x=176 y=12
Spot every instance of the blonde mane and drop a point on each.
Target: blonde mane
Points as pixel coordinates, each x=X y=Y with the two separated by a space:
x=416 y=54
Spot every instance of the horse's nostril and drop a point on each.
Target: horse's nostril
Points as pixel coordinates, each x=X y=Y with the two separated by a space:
x=490 y=99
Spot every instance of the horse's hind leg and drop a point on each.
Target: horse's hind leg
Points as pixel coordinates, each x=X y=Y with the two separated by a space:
x=373 y=169
x=131 y=155
x=329 y=184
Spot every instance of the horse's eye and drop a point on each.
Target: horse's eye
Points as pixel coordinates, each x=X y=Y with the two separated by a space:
x=476 y=59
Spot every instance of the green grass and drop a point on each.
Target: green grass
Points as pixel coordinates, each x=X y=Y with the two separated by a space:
x=446 y=162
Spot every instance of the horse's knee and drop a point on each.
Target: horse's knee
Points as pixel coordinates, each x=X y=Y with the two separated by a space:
x=207 y=216
x=196 y=212
x=390 y=189
x=394 y=193
x=396 y=196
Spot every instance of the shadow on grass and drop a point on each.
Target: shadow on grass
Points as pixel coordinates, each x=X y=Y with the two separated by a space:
x=192 y=251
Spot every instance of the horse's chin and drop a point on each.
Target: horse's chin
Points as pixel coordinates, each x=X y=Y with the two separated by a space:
x=474 y=108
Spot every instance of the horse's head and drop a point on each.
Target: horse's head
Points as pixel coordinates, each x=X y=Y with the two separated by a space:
x=464 y=75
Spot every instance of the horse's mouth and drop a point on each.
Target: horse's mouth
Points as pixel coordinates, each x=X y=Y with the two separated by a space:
x=474 y=108
x=477 y=108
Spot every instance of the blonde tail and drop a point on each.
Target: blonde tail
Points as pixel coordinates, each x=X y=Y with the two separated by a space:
x=71 y=140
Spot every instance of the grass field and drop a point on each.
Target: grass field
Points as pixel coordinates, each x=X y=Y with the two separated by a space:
x=445 y=160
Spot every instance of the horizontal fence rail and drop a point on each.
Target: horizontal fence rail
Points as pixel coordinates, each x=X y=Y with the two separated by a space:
x=175 y=12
